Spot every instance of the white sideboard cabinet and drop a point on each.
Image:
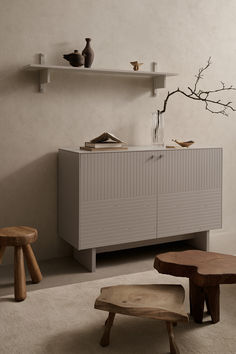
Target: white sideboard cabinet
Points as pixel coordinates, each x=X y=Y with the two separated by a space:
x=118 y=199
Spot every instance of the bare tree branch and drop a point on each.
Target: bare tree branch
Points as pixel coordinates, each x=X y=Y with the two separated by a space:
x=200 y=75
x=204 y=96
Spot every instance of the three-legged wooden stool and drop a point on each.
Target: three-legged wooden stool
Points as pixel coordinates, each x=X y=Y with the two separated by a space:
x=20 y=237
x=161 y=302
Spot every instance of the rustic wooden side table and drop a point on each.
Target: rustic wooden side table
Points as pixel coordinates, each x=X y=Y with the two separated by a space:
x=206 y=271
x=157 y=301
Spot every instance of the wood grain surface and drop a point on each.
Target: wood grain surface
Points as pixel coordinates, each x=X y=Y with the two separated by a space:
x=19 y=275
x=164 y=302
x=17 y=235
x=203 y=268
x=32 y=264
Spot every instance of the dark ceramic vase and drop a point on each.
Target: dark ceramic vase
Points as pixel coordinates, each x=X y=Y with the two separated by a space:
x=75 y=59
x=88 y=54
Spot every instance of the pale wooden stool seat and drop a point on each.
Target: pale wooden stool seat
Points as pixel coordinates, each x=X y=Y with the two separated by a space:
x=20 y=238
x=161 y=302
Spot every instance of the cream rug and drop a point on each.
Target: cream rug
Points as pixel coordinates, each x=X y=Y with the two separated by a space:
x=62 y=320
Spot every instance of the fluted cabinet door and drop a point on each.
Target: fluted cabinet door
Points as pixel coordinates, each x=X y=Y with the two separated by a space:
x=118 y=198
x=189 y=191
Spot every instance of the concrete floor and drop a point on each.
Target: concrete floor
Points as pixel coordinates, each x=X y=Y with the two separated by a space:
x=63 y=271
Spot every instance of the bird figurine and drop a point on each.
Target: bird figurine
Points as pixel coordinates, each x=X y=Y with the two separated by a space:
x=136 y=65
x=183 y=143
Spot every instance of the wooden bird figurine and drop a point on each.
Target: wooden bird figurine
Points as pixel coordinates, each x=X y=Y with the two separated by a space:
x=136 y=65
x=183 y=143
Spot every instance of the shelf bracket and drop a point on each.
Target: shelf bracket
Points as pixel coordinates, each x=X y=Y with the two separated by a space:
x=44 y=75
x=157 y=82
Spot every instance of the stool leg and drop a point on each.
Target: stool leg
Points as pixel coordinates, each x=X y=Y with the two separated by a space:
x=32 y=264
x=212 y=294
x=2 y=250
x=173 y=347
x=196 y=297
x=19 y=274
x=106 y=335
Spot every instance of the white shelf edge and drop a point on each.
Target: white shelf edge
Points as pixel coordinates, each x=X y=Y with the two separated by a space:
x=39 y=67
x=158 y=79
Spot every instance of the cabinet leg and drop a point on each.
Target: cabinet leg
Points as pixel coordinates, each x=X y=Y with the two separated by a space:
x=87 y=258
x=200 y=241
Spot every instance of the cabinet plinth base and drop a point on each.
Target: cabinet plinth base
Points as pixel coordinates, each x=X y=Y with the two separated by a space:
x=87 y=258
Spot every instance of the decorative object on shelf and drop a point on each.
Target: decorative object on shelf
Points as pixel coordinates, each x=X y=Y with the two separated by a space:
x=184 y=143
x=136 y=65
x=158 y=129
x=204 y=96
x=105 y=141
x=88 y=54
x=75 y=59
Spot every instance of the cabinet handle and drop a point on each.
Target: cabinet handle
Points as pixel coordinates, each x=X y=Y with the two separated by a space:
x=159 y=157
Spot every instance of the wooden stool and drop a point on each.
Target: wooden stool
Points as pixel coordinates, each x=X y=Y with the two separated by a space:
x=206 y=271
x=20 y=237
x=161 y=302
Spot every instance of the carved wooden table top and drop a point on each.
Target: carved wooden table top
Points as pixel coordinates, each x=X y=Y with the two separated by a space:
x=204 y=268
x=158 y=301
x=163 y=302
x=206 y=271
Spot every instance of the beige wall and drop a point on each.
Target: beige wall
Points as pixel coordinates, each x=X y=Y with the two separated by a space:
x=179 y=34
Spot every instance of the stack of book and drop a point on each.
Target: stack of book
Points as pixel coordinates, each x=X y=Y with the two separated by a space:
x=105 y=141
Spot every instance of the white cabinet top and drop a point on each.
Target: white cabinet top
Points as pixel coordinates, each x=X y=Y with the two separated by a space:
x=136 y=148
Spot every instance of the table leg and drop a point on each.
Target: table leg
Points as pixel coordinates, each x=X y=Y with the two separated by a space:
x=196 y=299
x=106 y=335
x=2 y=250
x=212 y=296
x=197 y=296
x=173 y=347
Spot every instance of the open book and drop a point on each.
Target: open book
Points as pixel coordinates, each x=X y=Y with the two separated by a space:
x=105 y=141
x=106 y=138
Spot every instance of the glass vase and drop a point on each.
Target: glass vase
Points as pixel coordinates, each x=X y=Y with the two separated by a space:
x=158 y=129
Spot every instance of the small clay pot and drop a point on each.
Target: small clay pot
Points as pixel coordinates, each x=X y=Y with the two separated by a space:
x=75 y=59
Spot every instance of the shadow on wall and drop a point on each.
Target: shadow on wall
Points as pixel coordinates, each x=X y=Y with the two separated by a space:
x=13 y=79
x=29 y=197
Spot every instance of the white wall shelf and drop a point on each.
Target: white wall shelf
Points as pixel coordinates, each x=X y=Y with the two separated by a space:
x=157 y=78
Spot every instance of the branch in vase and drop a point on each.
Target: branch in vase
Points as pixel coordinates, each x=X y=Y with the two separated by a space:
x=200 y=75
x=204 y=96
